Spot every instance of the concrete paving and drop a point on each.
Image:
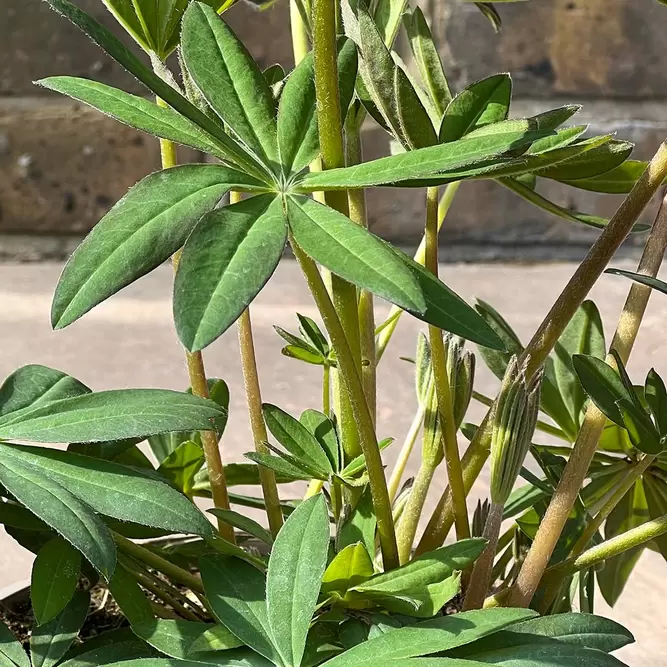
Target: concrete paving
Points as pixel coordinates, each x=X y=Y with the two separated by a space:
x=130 y=342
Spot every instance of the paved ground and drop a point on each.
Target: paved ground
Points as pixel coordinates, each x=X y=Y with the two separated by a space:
x=130 y=341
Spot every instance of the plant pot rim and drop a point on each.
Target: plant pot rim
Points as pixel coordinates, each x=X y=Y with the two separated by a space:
x=16 y=592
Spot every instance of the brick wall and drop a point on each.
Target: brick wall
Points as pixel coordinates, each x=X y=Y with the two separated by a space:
x=62 y=165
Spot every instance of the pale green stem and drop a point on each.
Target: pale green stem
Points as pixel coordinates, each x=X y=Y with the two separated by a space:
x=406 y=450
x=352 y=380
x=326 y=390
x=615 y=546
x=391 y=322
x=300 y=45
x=407 y=527
x=144 y=555
x=553 y=325
x=443 y=391
x=344 y=294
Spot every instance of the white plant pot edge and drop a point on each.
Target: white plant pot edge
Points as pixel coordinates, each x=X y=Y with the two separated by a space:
x=13 y=589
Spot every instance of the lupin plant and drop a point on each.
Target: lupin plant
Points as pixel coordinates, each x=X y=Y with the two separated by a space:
x=335 y=578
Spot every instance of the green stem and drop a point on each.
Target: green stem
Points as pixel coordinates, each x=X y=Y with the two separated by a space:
x=351 y=378
x=330 y=127
x=406 y=450
x=199 y=385
x=553 y=325
x=390 y=324
x=481 y=574
x=144 y=555
x=584 y=448
x=326 y=390
x=443 y=391
x=613 y=547
x=407 y=527
x=260 y=436
x=300 y=45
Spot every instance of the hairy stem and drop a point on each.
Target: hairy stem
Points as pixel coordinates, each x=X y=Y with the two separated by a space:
x=406 y=450
x=591 y=430
x=395 y=313
x=300 y=46
x=199 y=385
x=553 y=325
x=267 y=477
x=407 y=527
x=443 y=391
x=351 y=378
x=613 y=547
x=481 y=574
x=332 y=150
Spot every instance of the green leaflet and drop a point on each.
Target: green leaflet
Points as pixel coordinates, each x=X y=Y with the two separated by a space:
x=350 y=567
x=653 y=283
x=298 y=140
x=140 y=232
x=49 y=642
x=178 y=638
x=63 y=512
x=414 y=120
x=55 y=574
x=219 y=274
x=230 y=80
x=594 y=162
x=113 y=490
x=111 y=415
x=583 y=335
x=352 y=252
x=324 y=431
x=446 y=309
x=543 y=203
x=427 y=59
x=137 y=112
x=236 y=658
x=285 y=466
x=129 y=597
x=119 y=52
x=181 y=466
x=237 y=593
x=454 y=157
x=11 y=649
x=297 y=563
x=483 y=102
x=243 y=523
x=618 y=181
x=428 y=637
x=34 y=385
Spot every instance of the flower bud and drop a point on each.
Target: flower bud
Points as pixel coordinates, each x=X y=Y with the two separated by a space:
x=461 y=373
x=479 y=518
x=514 y=421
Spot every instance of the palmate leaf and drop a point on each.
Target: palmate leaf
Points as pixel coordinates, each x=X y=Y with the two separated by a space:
x=112 y=489
x=230 y=80
x=62 y=511
x=219 y=274
x=489 y=143
x=111 y=415
x=34 y=385
x=352 y=252
x=119 y=52
x=140 y=232
x=297 y=563
x=137 y=112
x=297 y=439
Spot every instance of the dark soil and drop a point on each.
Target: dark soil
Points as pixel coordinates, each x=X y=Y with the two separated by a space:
x=104 y=615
